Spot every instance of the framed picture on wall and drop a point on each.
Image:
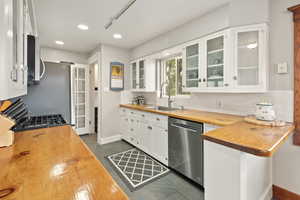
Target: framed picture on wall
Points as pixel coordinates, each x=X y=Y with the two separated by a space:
x=116 y=76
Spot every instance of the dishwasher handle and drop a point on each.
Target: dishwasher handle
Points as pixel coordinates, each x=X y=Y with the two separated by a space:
x=183 y=126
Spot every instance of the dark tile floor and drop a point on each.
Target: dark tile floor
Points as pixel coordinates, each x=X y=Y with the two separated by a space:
x=169 y=187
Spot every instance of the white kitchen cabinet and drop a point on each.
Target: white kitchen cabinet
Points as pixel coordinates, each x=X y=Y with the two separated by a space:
x=206 y=65
x=191 y=62
x=250 y=58
x=233 y=61
x=125 y=128
x=159 y=144
x=13 y=71
x=143 y=73
x=217 y=69
x=145 y=139
x=146 y=131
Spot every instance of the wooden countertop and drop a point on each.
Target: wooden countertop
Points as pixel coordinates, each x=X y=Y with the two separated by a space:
x=219 y=119
x=235 y=133
x=54 y=164
x=251 y=138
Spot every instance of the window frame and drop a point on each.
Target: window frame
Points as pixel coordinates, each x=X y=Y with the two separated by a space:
x=163 y=77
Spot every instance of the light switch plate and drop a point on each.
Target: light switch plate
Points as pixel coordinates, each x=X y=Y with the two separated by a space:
x=282 y=68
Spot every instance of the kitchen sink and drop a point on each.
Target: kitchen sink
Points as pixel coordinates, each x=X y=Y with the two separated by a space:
x=163 y=108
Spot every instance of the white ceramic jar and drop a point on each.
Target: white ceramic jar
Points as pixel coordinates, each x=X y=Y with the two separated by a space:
x=265 y=111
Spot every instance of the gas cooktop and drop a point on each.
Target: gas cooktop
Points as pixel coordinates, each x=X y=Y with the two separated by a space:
x=36 y=122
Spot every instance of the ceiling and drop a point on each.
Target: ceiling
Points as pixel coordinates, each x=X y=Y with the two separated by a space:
x=146 y=19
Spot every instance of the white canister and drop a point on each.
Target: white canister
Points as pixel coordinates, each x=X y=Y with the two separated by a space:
x=265 y=111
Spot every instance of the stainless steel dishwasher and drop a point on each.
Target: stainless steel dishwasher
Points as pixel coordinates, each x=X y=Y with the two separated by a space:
x=186 y=148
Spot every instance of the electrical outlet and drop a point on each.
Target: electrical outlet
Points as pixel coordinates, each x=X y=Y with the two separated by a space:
x=219 y=104
x=282 y=68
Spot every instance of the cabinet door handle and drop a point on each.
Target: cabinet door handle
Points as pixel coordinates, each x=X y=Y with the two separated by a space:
x=200 y=80
x=204 y=80
x=143 y=115
x=157 y=119
x=226 y=84
x=235 y=78
x=149 y=127
x=131 y=129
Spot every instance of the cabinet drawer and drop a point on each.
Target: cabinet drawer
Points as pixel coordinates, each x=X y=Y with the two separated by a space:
x=158 y=120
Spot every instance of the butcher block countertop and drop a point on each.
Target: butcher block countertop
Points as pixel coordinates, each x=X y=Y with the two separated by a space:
x=235 y=132
x=192 y=115
x=255 y=139
x=53 y=164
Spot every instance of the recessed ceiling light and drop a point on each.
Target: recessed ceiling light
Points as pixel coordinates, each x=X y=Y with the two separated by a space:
x=83 y=27
x=59 y=42
x=117 y=36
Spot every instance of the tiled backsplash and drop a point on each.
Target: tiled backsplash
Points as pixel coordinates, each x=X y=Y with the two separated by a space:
x=241 y=104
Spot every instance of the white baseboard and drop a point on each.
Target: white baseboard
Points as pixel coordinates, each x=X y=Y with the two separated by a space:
x=111 y=139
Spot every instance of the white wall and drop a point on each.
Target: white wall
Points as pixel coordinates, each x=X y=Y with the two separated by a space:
x=110 y=127
x=243 y=12
x=56 y=55
x=281 y=43
x=210 y=22
x=287 y=160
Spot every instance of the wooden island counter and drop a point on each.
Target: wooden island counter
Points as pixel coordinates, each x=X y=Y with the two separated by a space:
x=54 y=164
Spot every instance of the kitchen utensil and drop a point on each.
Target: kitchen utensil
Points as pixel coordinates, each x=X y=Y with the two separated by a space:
x=265 y=111
x=13 y=106
x=5 y=105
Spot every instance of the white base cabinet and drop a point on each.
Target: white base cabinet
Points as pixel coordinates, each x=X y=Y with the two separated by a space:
x=235 y=175
x=147 y=131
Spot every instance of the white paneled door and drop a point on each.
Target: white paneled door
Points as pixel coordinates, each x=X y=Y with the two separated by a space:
x=80 y=98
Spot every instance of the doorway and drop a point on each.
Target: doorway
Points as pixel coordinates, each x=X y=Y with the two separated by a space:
x=94 y=97
x=80 y=98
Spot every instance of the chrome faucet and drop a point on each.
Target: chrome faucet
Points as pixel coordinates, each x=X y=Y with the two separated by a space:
x=170 y=101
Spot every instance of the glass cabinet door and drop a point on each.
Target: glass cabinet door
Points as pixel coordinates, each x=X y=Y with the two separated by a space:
x=247 y=58
x=192 y=66
x=215 y=62
x=142 y=74
x=134 y=76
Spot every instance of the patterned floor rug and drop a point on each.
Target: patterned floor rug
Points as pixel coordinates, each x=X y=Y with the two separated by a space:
x=137 y=168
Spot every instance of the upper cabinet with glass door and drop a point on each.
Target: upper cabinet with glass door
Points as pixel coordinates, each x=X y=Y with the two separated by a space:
x=250 y=58
x=191 y=65
x=134 y=82
x=216 y=55
x=143 y=75
x=233 y=61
